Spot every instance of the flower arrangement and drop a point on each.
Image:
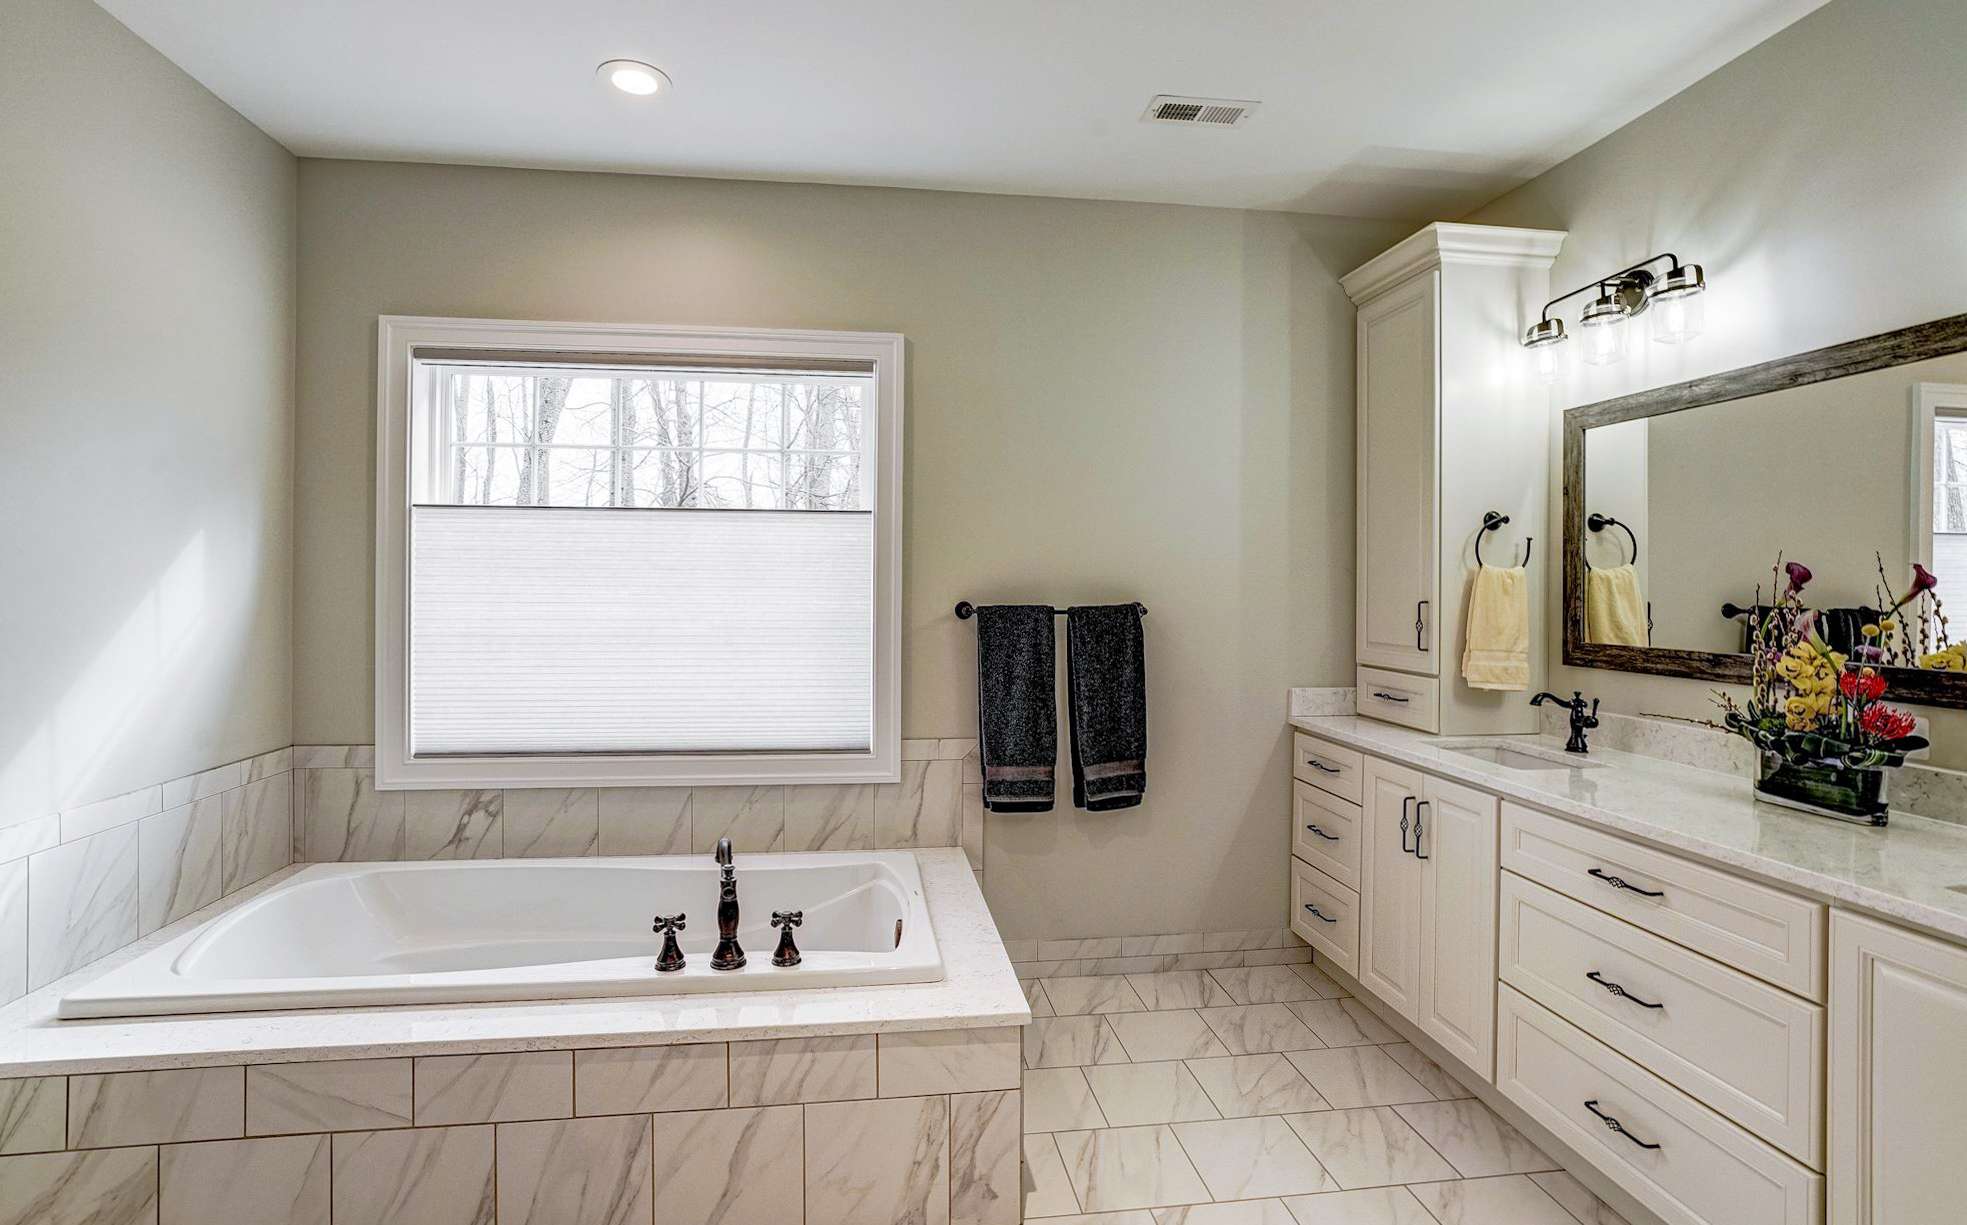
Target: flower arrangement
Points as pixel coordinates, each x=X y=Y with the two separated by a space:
x=1824 y=735
x=1918 y=638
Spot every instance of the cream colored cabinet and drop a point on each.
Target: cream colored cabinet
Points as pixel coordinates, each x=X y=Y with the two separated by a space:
x=1427 y=927
x=1455 y=844
x=1451 y=424
x=1898 y=1075
x=1390 y=888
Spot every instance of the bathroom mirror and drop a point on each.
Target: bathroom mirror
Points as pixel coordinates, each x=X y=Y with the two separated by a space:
x=1851 y=460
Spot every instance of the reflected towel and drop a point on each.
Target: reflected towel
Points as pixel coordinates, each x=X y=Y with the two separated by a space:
x=1615 y=612
x=1496 y=649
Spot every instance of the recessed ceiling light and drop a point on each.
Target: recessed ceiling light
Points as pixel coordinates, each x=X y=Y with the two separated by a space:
x=633 y=77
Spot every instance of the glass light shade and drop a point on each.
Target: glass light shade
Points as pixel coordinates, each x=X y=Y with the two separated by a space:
x=1679 y=304
x=1603 y=325
x=1545 y=358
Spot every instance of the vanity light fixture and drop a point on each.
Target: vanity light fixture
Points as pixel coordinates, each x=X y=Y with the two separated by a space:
x=633 y=77
x=1623 y=295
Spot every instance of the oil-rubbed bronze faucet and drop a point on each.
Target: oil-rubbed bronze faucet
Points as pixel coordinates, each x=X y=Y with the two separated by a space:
x=671 y=957
x=787 y=954
x=1580 y=721
x=728 y=955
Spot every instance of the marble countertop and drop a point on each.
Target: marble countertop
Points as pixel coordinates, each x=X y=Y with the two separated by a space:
x=978 y=990
x=1913 y=871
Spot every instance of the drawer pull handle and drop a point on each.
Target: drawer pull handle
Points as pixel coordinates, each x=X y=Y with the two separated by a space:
x=1616 y=883
x=1384 y=696
x=1322 y=834
x=1614 y=1125
x=1318 y=914
x=1316 y=764
x=1404 y=801
x=1617 y=990
x=1418 y=805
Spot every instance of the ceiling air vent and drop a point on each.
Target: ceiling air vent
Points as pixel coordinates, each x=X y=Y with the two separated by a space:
x=1205 y=112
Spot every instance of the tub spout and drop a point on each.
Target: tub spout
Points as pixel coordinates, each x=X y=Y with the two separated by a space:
x=729 y=955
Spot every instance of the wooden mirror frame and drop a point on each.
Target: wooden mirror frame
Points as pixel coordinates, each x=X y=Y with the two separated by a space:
x=1939 y=338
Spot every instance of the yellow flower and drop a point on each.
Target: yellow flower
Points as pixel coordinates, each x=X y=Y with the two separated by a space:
x=1888 y=624
x=1800 y=714
x=1869 y=631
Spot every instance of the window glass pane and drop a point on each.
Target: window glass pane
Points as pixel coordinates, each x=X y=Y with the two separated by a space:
x=586 y=412
x=579 y=476
x=1950 y=474
x=824 y=416
x=822 y=481
x=660 y=413
x=747 y=415
x=487 y=476
x=741 y=480
x=660 y=479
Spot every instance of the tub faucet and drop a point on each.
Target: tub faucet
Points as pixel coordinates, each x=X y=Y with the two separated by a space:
x=729 y=955
x=1580 y=721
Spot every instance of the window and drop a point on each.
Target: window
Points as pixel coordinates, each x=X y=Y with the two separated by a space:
x=1947 y=551
x=613 y=556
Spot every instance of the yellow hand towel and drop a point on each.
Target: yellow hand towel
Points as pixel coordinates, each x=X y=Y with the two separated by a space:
x=1496 y=654
x=1615 y=612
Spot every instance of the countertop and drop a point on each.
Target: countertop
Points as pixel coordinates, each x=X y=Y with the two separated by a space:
x=978 y=990
x=1912 y=871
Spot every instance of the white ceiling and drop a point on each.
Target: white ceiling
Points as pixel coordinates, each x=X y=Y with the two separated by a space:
x=1409 y=109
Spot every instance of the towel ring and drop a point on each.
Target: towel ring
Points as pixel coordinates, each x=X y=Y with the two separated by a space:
x=1598 y=523
x=1490 y=522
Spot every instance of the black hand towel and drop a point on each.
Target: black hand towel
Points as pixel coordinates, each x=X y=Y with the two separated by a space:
x=1106 y=694
x=1017 y=719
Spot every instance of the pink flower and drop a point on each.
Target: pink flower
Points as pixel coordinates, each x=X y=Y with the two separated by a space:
x=1798 y=573
x=1922 y=579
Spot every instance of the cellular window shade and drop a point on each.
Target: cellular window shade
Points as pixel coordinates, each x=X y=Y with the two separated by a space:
x=577 y=630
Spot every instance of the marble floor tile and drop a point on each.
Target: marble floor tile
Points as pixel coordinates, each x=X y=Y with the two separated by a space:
x=416 y=1176
x=1381 y=1206
x=645 y=820
x=881 y=1160
x=1350 y=1076
x=1372 y=1147
x=1180 y=989
x=1322 y=986
x=646 y=1079
x=1264 y=985
x=787 y=1071
x=1150 y=1036
x=112 y=1186
x=1139 y=1216
x=1253 y=1029
x=986 y=1132
x=575 y=1172
x=1512 y=1200
x=1048 y=1192
x=281 y=1180
x=33 y=1114
x=552 y=822
x=178 y=862
x=1135 y=1094
x=1059 y=1099
x=1076 y=996
x=723 y=1167
x=453 y=824
x=1130 y=1167
x=1431 y=1075
x=1034 y=997
x=1577 y=1199
x=1242 y=1086
x=1251 y=1158
x=1066 y=1042
x=1343 y=1023
x=1474 y=1139
x=1242 y=1212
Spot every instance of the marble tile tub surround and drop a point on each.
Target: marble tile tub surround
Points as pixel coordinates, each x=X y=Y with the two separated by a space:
x=1908 y=872
x=1330 y=1118
x=81 y=883
x=978 y=991
x=340 y=816
x=931 y=1133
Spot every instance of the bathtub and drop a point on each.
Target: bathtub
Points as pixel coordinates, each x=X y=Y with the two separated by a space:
x=342 y=935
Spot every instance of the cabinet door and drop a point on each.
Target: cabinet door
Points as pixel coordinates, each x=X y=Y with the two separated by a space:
x=1390 y=889
x=1457 y=855
x=1398 y=383
x=1898 y=1081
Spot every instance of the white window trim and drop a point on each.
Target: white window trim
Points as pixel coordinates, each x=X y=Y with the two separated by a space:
x=1929 y=400
x=399 y=336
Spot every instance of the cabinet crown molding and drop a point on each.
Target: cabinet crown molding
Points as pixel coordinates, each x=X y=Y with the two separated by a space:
x=1447 y=242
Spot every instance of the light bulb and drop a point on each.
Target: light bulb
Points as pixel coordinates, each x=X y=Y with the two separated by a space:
x=1679 y=304
x=633 y=77
x=1603 y=324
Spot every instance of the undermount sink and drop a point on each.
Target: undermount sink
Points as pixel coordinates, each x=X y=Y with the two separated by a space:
x=1511 y=757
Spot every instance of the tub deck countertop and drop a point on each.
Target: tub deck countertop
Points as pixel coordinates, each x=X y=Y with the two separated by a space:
x=978 y=991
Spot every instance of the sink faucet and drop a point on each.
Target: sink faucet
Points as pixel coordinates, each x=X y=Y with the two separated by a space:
x=728 y=955
x=1580 y=721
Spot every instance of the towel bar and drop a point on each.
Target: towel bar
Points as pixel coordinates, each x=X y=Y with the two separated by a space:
x=965 y=610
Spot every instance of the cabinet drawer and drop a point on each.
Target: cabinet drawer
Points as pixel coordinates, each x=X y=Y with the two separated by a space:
x=1705 y=1170
x=1326 y=914
x=1327 y=766
x=1395 y=697
x=1325 y=833
x=1762 y=931
x=1748 y=1050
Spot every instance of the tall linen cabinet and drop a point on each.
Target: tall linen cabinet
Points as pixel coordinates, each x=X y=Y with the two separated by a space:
x=1452 y=423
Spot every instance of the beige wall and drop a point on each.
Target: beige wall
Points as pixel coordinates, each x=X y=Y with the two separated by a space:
x=147 y=322
x=1105 y=401
x=1820 y=178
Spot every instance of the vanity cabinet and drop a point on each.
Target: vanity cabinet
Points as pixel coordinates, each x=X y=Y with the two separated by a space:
x=1898 y=1075
x=1427 y=930
x=1450 y=425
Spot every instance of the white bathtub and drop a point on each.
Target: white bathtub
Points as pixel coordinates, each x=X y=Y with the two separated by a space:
x=339 y=935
